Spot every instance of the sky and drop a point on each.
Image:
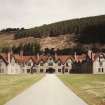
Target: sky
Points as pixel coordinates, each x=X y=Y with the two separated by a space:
x=31 y=13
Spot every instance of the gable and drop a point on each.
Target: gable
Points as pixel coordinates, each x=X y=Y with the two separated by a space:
x=2 y=59
x=50 y=60
x=13 y=60
x=69 y=60
x=30 y=62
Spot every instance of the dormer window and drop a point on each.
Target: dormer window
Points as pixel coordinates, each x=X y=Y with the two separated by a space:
x=101 y=63
x=59 y=64
x=102 y=70
x=29 y=64
x=50 y=59
x=50 y=64
x=41 y=64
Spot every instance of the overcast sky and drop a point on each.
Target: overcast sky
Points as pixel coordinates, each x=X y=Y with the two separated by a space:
x=31 y=13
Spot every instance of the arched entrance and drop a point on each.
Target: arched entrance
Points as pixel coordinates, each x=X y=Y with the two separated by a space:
x=50 y=70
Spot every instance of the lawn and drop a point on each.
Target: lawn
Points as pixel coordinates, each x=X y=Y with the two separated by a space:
x=11 y=85
x=90 y=88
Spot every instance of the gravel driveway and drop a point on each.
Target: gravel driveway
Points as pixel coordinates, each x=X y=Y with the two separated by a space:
x=48 y=91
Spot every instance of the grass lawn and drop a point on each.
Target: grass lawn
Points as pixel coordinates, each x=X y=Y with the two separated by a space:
x=90 y=88
x=11 y=85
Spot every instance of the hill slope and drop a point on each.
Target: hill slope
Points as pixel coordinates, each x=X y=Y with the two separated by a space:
x=84 y=32
x=87 y=30
x=61 y=42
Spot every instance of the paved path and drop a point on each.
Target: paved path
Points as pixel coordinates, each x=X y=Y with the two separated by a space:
x=48 y=91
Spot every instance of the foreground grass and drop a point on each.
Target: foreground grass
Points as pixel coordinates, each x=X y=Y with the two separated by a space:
x=11 y=85
x=90 y=88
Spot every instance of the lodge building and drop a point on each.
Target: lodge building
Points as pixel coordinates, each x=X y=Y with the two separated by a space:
x=84 y=63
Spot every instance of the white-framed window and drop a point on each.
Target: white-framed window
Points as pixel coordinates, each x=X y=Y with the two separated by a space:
x=50 y=63
x=41 y=70
x=59 y=64
x=66 y=70
x=59 y=70
x=67 y=64
x=29 y=64
x=102 y=69
x=41 y=64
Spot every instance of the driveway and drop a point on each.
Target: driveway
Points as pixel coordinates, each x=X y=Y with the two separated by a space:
x=48 y=91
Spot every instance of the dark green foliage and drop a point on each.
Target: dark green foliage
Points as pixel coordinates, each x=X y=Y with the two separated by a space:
x=12 y=29
x=28 y=49
x=93 y=34
x=87 y=30
x=71 y=51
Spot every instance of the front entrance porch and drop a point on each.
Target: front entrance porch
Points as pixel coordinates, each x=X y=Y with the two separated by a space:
x=50 y=70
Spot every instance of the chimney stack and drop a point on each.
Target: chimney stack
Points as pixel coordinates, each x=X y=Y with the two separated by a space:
x=10 y=52
x=21 y=54
x=9 y=57
x=75 y=56
x=56 y=56
x=90 y=54
x=38 y=56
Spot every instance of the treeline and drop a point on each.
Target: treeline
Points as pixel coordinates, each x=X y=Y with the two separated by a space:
x=93 y=34
x=34 y=49
x=12 y=30
x=69 y=51
x=86 y=30
x=27 y=49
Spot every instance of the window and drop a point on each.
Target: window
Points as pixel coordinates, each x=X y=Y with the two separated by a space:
x=98 y=69
x=67 y=64
x=101 y=63
x=66 y=70
x=41 y=70
x=50 y=64
x=59 y=64
x=102 y=70
x=59 y=70
x=41 y=64
x=29 y=64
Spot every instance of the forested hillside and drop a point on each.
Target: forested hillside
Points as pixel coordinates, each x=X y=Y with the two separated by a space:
x=65 y=36
x=90 y=28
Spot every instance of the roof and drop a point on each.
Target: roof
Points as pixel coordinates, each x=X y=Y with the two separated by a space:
x=4 y=58
x=37 y=59
x=64 y=58
x=98 y=55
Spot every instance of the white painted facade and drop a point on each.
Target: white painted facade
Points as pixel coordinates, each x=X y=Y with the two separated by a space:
x=13 y=67
x=99 y=65
x=3 y=66
x=68 y=65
